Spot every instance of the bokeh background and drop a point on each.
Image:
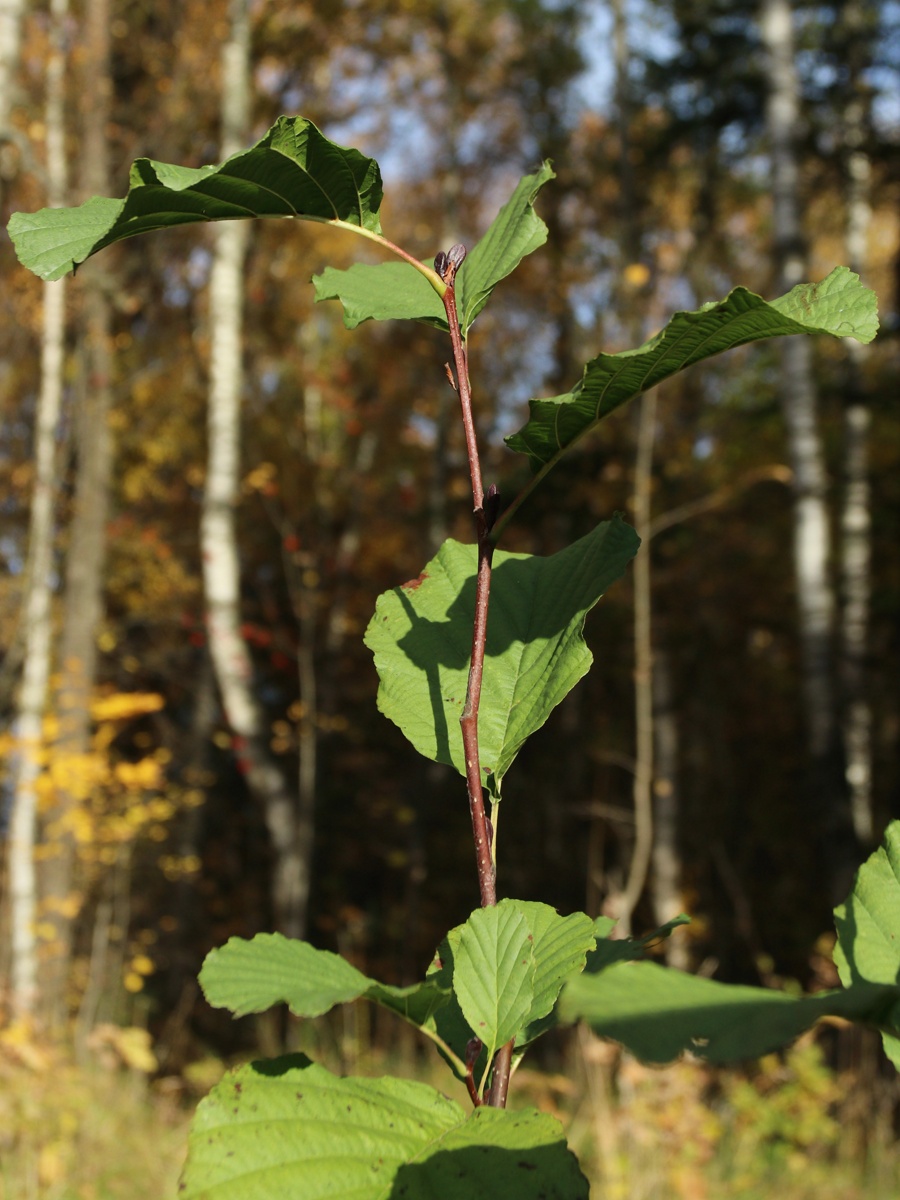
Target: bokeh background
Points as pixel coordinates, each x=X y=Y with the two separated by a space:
x=698 y=145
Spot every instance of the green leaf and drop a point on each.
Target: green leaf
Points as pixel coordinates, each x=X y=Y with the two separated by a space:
x=421 y=639
x=838 y=305
x=293 y=171
x=251 y=976
x=493 y=975
x=561 y=946
x=516 y=232
x=290 y=1128
x=868 y=926
x=396 y=291
x=610 y=950
x=417 y=1003
x=392 y=291
x=657 y=1013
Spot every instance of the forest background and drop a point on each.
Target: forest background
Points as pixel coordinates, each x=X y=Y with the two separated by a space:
x=180 y=741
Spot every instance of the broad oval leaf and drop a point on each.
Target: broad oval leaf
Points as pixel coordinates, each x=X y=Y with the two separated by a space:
x=250 y=976
x=838 y=305
x=421 y=639
x=493 y=974
x=868 y=925
x=657 y=1013
x=292 y=171
x=396 y=291
x=288 y=1127
x=560 y=946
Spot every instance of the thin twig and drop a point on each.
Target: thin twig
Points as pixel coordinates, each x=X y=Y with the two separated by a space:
x=485 y=512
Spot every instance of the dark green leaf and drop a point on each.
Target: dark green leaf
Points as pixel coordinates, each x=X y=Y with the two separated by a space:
x=293 y=171
x=657 y=1013
x=839 y=305
x=516 y=232
x=396 y=291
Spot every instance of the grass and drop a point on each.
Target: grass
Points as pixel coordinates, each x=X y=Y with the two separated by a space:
x=786 y=1127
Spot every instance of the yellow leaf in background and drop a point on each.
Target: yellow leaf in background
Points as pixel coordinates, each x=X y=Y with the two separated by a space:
x=136 y=815
x=81 y=826
x=18 y=1041
x=135 y=1047
x=133 y=982
x=161 y=810
x=260 y=478
x=52 y=1164
x=67 y=906
x=106 y=641
x=143 y=964
x=141 y=775
x=636 y=274
x=120 y=706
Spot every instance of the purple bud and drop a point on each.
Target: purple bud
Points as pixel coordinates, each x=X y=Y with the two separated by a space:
x=456 y=254
x=441 y=263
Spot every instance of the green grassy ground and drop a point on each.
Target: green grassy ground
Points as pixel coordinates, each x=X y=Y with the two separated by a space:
x=789 y=1127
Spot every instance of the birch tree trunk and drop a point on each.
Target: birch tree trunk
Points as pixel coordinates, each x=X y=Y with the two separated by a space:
x=10 y=41
x=37 y=601
x=856 y=519
x=221 y=567
x=812 y=540
x=86 y=557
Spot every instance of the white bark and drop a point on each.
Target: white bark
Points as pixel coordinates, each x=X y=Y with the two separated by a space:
x=11 y=12
x=37 y=601
x=856 y=520
x=812 y=542
x=221 y=566
x=86 y=556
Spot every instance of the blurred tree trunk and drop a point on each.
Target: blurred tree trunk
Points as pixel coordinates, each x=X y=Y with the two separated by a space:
x=221 y=565
x=10 y=44
x=812 y=541
x=641 y=502
x=667 y=866
x=856 y=518
x=86 y=555
x=37 y=601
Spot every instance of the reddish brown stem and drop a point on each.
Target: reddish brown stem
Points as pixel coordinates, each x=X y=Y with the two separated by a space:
x=461 y=362
x=500 y=1079
x=468 y=721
